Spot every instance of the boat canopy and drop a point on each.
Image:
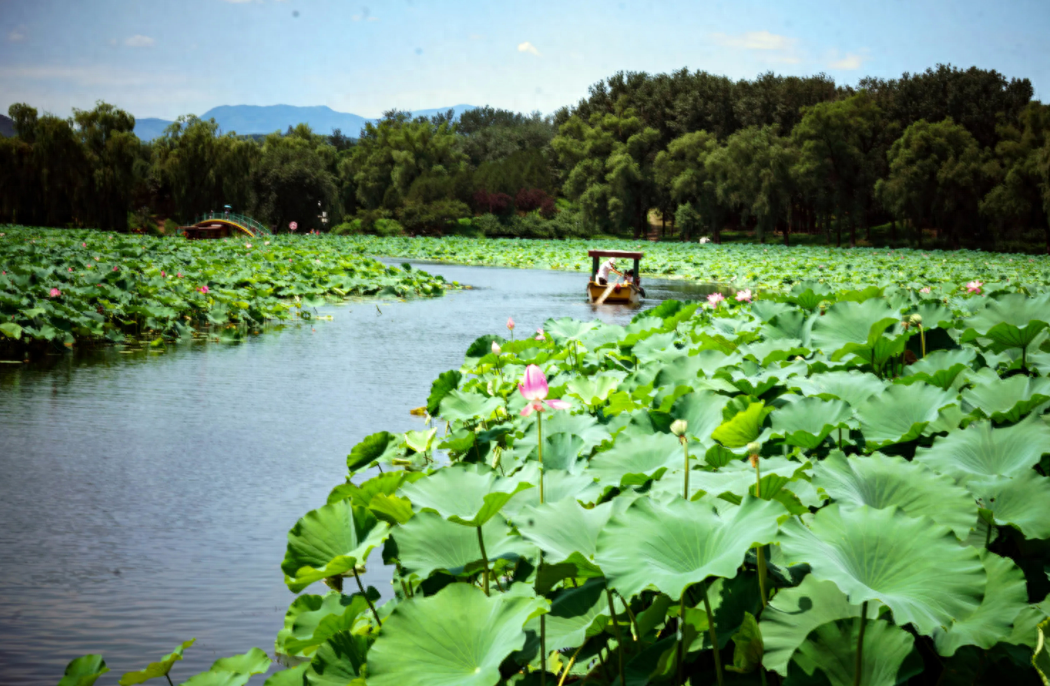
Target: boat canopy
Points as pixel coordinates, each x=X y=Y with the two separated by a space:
x=595 y=255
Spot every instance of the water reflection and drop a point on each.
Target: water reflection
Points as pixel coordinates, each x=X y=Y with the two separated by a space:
x=146 y=496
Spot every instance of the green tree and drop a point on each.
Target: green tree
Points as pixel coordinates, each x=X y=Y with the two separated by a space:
x=111 y=150
x=611 y=159
x=936 y=178
x=681 y=170
x=292 y=180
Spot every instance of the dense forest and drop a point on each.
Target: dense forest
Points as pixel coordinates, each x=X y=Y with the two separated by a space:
x=960 y=158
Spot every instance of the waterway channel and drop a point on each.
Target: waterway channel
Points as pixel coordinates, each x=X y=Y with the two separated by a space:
x=146 y=497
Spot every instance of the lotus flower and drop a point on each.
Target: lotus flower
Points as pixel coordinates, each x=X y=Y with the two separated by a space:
x=115 y=268
x=248 y=245
x=534 y=389
x=705 y=239
x=179 y=275
x=55 y=293
x=744 y=295
x=82 y=245
x=162 y=273
x=540 y=335
x=974 y=287
x=496 y=350
x=925 y=291
x=203 y=289
x=510 y=323
x=71 y=269
x=715 y=298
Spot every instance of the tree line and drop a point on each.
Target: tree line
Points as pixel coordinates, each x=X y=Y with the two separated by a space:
x=960 y=156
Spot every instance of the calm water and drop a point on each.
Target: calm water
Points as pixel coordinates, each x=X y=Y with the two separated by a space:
x=145 y=498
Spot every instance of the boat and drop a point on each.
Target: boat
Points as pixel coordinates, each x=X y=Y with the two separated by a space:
x=614 y=294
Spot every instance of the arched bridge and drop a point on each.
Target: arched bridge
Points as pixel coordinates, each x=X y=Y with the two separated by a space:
x=221 y=224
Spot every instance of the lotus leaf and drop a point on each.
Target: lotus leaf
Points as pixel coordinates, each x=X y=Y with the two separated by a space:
x=83 y=671
x=338 y=662
x=914 y=566
x=1004 y=599
x=806 y=422
x=674 y=545
x=330 y=541
x=942 y=367
x=458 y=406
x=881 y=482
x=853 y=386
x=463 y=496
x=900 y=414
x=795 y=612
x=852 y=322
x=428 y=543
x=1012 y=320
x=235 y=670
x=888 y=658
x=744 y=427
x=457 y=637
x=378 y=446
x=1007 y=400
x=702 y=411
x=293 y=676
x=636 y=457
x=566 y=531
x=1019 y=501
x=981 y=451
x=156 y=669
x=312 y=619
x=576 y=614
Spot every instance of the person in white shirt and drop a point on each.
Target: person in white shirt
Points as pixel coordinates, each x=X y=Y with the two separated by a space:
x=603 y=271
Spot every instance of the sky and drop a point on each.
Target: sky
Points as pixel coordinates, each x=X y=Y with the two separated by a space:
x=164 y=58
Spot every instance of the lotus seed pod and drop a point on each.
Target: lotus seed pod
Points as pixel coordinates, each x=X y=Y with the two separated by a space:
x=754 y=447
x=916 y=319
x=678 y=427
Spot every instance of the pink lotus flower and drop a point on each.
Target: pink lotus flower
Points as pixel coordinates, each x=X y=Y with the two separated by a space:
x=715 y=298
x=97 y=258
x=248 y=245
x=114 y=267
x=510 y=323
x=179 y=275
x=90 y=266
x=203 y=289
x=162 y=273
x=925 y=291
x=974 y=287
x=744 y=295
x=55 y=293
x=82 y=245
x=540 y=335
x=534 y=389
x=70 y=269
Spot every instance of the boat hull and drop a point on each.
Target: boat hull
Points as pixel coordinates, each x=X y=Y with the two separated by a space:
x=625 y=295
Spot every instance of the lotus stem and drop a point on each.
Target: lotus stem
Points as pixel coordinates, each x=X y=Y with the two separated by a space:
x=368 y=600
x=714 y=634
x=484 y=560
x=543 y=650
x=539 y=448
x=860 y=643
x=633 y=623
x=572 y=661
x=616 y=627
x=988 y=536
x=685 y=448
x=759 y=551
x=168 y=677
x=681 y=632
x=922 y=338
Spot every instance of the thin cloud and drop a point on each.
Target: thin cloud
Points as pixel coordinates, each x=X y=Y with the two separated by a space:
x=528 y=47
x=850 y=61
x=17 y=35
x=139 y=42
x=772 y=47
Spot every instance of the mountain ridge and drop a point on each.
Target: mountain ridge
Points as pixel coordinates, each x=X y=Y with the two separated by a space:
x=262 y=119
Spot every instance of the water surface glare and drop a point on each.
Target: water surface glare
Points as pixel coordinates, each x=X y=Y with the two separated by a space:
x=146 y=498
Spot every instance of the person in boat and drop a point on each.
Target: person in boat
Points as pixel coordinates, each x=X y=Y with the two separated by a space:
x=609 y=266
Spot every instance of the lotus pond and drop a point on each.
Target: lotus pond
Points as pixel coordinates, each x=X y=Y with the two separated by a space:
x=819 y=486
x=761 y=267
x=73 y=287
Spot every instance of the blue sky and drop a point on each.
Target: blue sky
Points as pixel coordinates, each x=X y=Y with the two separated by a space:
x=162 y=58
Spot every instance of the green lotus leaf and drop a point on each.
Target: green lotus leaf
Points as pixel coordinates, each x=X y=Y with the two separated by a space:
x=744 y=427
x=593 y=390
x=330 y=541
x=982 y=452
x=1019 y=502
x=702 y=411
x=1004 y=599
x=442 y=386
x=900 y=414
x=156 y=669
x=457 y=637
x=738 y=477
x=1025 y=630
x=567 y=329
x=635 y=455
x=942 y=367
x=656 y=347
x=1012 y=320
x=338 y=662
x=576 y=614
x=914 y=566
x=889 y=656
x=685 y=370
x=672 y=545
x=381 y=484
x=1007 y=400
x=808 y=421
x=83 y=671
x=558 y=485
x=584 y=426
x=11 y=330
x=312 y=619
x=853 y=387
x=852 y=322
x=428 y=542
x=792 y=326
x=378 y=446
x=459 y=406
x=463 y=496
x=770 y=351
x=881 y=482
x=236 y=670
x=293 y=676
x=566 y=531
x=795 y=612
x=560 y=452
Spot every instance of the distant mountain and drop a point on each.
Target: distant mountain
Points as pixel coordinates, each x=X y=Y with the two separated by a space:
x=7 y=127
x=254 y=119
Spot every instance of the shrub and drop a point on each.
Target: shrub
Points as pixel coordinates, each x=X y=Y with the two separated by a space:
x=348 y=228
x=368 y=219
x=492 y=203
x=171 y=227
x=389 y=227
x=432 y=217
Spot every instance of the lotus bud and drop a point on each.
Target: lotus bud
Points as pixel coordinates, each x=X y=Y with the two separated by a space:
x=496 y=350
x=753 y=449
x=799 y=358
x=679 y=426
x=916 y=319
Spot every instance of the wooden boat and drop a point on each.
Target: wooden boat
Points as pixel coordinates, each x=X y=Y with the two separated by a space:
x=613 y=294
